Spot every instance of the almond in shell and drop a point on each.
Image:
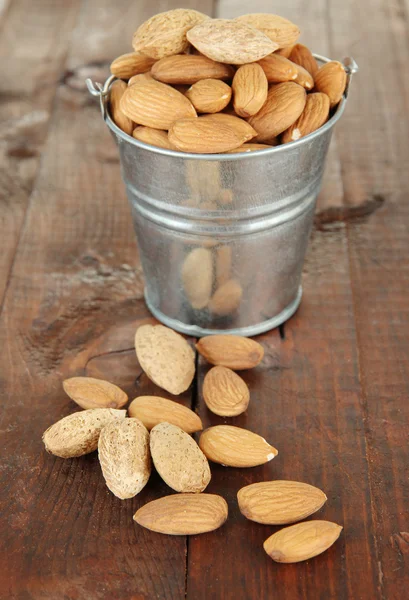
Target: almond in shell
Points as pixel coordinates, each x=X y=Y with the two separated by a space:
x=128 y=65
x=152 y=410
x=154 y=137
x=166 y=357
x=89 y=392
x=225 y=392
x=280 y=30
x=278 y=68
x=331 y=79
x=226 y=299
x=232 y=351
x=121 y=120
x=314 y=115
x=183 y=514
x=189 y=69
x=250 y=87
x=301 y=55
x=124 y=455
x=235 y=447
x=209 y=95
x=279 y=502
x=302 y=541
x=178 y=459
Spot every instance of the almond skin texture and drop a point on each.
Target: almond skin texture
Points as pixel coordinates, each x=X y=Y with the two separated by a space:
x=232 y=351
x=278 y=68
x=164 y=34
x=209 y=95
x=250 y=87
x=166 y=357
x=239 y=125
x=183 y=514
x=124 y=456
x=304 y=78
x=235 y=447
x=302 y=541
x=188 y=69
x=152 y=410
x=88 y=392
x=314 y=115
x=178 y=459
x=301 y=55
x=116 y=92
x=205 y=135
x=155 y=104
x=128 y=65
x=226 y=299
x=331 y=79
x=139 y=78
x=285 y=103
x=78 y=433
x=279 y=502
x=284 y=51
x=225 y=392
x=154 y=137
x=250 y=147
x=281 y=31
x=197 y=277
x=230 y=42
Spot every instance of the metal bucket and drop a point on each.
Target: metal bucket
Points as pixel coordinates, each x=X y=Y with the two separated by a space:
x=222 y=238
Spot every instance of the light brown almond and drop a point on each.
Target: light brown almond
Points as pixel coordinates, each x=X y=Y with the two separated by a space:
x=183 y=514
x=239 y=125
x=152 y=410
x=252 y=147
x=189 y=69
x=164 y=34
x=235 y=447
x=301 y=55
x=285 y=51
x=279 y=502
x=197 y=277
x=225 y=392
x=128 y=65
x=304 y=78
x=250 y=87
x=154 y=137
x=285 y=103
x=302 y=541
x=88 y=392
x=314 y=115
x=178 y=459
x=223 y=264
x=226 y=299
x=278 y=68
x=281 y=31
x=139 y=78
x=116 y=93
x=155 y=104
x=331 y=79
x=166 y=357
x=230 y=41
x=77 y=434
x=232 y=351
x=209 y=95
x=124 y=455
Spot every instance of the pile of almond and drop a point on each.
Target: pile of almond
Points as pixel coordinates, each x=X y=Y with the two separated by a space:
x=158 y=430
x=202 y=85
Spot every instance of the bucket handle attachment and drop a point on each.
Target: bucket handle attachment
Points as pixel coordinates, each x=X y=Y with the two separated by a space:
x=351 y=69
x=100 y=91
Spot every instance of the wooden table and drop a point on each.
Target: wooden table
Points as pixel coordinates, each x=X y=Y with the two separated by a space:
x=332 y=394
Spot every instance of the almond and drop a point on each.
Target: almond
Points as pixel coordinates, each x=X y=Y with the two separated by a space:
x=178 y=459
x=230 y=41
x=151 y=410
x=209 y=95
x=278 y=68
x=301 y=55
x=250 y=87
x=164 y=34
x=314 y=115
x=139 y=78
x=225 y=392
x=304 y=78
x=188 y=69
x=166 y=357
x=331 y=79
x=88 y=392
x=235 y=447
x=183 y=514
x=279 y=502
x=251 y=147
x=155 y=104
x=281 y=31
x=154 y=137
x=285 y=103
x=78 y=433
x=116 y=93
x=197 y=277
x=232 y=351
x=124 y=455
x=302 y=541
x=223 y=264
x=128 y=65
x=226 y=299
x=239 y=125
x=284 y=51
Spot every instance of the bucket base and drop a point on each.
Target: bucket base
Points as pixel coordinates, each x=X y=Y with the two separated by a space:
x=195 y=331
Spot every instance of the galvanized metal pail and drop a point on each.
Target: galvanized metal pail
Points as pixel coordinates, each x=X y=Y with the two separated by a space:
x=223 y=237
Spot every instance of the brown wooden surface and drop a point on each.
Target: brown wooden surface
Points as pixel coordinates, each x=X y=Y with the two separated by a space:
x=332 y=393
